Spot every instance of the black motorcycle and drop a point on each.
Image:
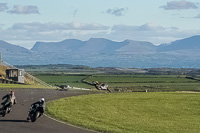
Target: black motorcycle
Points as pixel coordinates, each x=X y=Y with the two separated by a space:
x=5 y=109
x=34 y=113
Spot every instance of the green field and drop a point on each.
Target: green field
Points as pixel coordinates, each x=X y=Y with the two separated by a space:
x=127 y=82
x=148 y=82
x=72 y=80
x=153 y=112
x=119 y=79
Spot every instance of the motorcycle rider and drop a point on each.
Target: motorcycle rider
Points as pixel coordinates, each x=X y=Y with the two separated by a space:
x=40 y=108
x=101 y=86
x=10 y=100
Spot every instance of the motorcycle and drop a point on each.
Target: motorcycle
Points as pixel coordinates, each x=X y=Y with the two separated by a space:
x=101 y=86
x=5 y=109
x=34 y=113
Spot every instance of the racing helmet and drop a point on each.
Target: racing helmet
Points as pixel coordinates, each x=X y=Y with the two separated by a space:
x=41 y=99
x=11 y=92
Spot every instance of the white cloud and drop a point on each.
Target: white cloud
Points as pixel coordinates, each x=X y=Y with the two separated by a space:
x=179 y=5
x=32 y=32
x=3 y=7
x=117 y=11
x=37 y=26
x=149 y=32
x=148 y=27
x=21 y=9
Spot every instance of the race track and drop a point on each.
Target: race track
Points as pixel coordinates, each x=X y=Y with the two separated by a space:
x=15 y=122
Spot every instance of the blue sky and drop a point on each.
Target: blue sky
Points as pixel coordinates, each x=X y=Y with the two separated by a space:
x=158 y=21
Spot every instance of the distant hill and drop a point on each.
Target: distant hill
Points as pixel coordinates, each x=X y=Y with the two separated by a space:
x=139 y=47
x=63 y=46
x=94 y=45
x=97 y=52
x=10 y=48
x=14 y=54
x=190 y=43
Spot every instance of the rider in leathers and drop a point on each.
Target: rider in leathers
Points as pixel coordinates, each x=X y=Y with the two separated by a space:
x=41 y=107
x=10 y=99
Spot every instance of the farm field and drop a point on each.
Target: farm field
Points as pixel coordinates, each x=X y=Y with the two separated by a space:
x=119 y=79
x=152 y=112
x=148 y=82
x=71 y=80
x=129 y=83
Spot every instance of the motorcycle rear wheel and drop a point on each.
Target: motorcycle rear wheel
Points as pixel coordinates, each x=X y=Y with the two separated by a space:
x=35 y=116
x=4 y=111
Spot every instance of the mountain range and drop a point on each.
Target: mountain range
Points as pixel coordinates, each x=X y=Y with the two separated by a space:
x=106 y=53
x=94 y=45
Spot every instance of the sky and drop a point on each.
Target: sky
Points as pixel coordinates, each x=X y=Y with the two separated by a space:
x=25 y=22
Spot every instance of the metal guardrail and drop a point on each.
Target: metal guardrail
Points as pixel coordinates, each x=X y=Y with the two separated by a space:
x=37 y=80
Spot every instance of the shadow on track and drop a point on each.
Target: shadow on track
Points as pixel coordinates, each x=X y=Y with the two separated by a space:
x=13 y=121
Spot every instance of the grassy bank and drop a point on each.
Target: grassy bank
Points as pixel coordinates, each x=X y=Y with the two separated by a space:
x=11 y=86
x=131 y=112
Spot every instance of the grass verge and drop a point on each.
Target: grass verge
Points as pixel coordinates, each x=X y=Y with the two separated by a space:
x=155 y=112
x=5 y=86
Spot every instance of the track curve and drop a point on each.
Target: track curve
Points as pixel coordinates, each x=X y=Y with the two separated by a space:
x=15 y=121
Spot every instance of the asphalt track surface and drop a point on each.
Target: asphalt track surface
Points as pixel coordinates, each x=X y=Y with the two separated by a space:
x=15 y=121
